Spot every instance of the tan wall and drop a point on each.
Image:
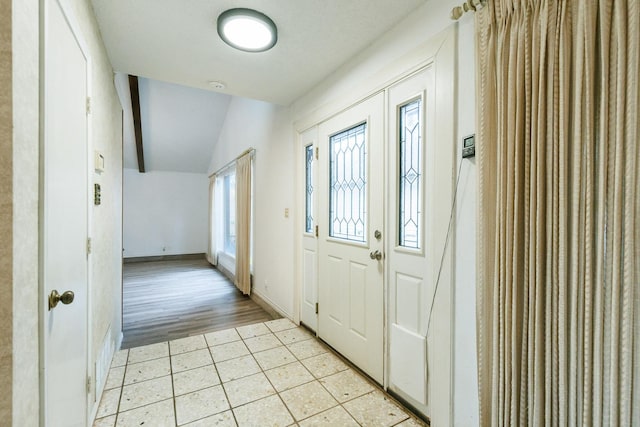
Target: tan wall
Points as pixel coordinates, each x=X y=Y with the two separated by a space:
x=6 y=208
x=25 y=62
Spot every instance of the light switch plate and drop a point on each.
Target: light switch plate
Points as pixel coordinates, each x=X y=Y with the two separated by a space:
x=99 y=162
x=469 y=146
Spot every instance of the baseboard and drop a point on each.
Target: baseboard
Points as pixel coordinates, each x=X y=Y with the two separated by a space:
x=268 y=305
x=111 y=347
x=226 y=273
x=119 y=340
x=164 y=258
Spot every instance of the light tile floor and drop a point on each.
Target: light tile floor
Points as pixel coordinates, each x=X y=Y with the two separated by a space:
x=267 y=374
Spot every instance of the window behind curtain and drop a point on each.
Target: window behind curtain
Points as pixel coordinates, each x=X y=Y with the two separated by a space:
x=229 y=217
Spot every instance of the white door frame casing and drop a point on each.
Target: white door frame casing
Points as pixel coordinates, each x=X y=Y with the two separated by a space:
x=92 y=395
x=438 y=52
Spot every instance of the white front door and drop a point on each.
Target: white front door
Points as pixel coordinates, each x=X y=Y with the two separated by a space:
x=350 y=242
x=64 y=223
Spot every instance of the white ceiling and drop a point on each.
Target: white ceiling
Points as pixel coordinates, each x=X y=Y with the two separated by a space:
x=176 y=41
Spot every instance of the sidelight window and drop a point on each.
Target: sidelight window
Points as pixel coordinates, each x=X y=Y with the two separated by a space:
x=308 y=172
x=410 y=174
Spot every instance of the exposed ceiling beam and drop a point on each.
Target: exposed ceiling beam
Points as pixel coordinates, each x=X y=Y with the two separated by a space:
x=137 y=123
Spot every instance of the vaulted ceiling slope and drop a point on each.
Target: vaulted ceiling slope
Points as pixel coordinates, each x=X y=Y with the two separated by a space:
x=180 y=125
x=176 y=41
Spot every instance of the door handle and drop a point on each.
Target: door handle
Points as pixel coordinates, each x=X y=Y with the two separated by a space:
x=377 y=255
x=54 y=298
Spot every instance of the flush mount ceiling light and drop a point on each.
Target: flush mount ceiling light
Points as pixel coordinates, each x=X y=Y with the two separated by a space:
x=247 y=29
x=217 y=85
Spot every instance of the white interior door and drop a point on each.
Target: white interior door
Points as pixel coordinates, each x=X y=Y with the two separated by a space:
x=350 y=243
x=64 y=222
x=411 y=260
x=309 y=295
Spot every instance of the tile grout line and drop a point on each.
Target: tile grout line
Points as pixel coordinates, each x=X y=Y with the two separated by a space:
x=313 y=378
x=296 y=359
x=224 y=390
x=126 y=365
x=322 y=385
x=295 y=421
x=173 y=388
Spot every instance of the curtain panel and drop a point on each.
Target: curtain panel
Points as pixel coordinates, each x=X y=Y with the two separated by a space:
x=243 y=224
x=558 y=289
x=212 y=252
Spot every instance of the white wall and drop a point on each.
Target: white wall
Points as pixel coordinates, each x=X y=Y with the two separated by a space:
x=464 y=350
x=270 y=129
x=165 y=213
x=106 y=266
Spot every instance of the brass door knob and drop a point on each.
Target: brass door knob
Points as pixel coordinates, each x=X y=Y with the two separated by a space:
x=377 y=255
x=54 y=298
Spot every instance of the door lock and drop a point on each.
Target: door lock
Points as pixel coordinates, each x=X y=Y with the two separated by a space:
x=377 y=255
x=54 y=298
x=377 y=234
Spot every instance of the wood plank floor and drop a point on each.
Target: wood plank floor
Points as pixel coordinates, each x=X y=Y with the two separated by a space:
x=166 y=300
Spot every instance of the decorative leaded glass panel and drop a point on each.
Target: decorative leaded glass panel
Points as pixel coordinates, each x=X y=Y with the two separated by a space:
x=410 y=175
x=348 y=184
x=308 y=189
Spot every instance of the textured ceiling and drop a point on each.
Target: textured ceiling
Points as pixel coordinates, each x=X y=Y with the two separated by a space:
x=176 y=41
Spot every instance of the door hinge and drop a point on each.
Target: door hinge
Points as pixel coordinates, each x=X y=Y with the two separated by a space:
x=88 y=385
x=88 y=245
x=316 y=231
x=316 y=308
x=317 y=152
x=88 y=105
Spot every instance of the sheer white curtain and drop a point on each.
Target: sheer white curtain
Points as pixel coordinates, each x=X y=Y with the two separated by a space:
x=243 y=224
x=212 y=252
x=559 y=239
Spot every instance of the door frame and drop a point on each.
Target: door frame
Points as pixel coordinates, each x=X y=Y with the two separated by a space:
x=439 y=52
x=74 y=26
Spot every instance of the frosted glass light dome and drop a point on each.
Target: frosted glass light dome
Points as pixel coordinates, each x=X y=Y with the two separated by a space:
x=247 y=29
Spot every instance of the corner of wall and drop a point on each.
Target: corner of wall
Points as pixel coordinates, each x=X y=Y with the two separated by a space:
x=24 y=389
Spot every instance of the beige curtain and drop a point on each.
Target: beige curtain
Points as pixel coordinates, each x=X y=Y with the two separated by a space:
x=558 y=297
x=212 y=252
x=243 y=224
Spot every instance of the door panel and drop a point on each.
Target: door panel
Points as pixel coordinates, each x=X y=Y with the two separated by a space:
x=350 y=199
x=411 y=260
x=336 y=274
x=357 y=298
x=64 y=222
x=408 y=308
